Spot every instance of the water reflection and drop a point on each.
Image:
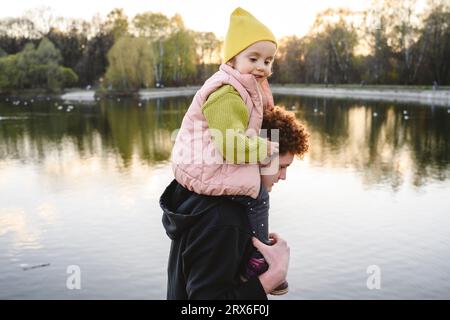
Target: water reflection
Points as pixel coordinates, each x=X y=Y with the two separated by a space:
x=386 y=143
x=81 y=187
x=122 y=130
x=383 y=141
x=14 y=223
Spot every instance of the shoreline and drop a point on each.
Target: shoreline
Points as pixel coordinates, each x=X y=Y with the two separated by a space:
x=395 y=94
x=427 y=97
x=89 y=95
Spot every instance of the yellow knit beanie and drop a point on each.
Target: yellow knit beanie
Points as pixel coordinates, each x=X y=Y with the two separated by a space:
x=244 y=30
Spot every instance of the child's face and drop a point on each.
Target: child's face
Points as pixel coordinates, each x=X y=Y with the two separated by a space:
x=257 y=60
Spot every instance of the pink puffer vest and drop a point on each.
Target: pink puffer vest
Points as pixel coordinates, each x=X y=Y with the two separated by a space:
x=196 y=163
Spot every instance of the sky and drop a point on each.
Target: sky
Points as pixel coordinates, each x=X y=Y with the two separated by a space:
x=283 y=17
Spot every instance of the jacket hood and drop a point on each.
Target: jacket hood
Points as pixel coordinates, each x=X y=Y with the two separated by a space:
x=183 y=208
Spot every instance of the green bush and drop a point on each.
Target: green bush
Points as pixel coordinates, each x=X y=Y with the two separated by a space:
x=35 y=68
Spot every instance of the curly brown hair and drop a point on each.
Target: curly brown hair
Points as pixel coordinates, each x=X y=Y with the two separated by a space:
x=293 y=136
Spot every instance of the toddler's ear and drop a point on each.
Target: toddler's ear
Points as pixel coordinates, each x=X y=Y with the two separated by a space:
x=230 y=62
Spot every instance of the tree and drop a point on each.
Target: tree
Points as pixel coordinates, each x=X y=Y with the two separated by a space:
x=401 y=22
x=35 y=68
x=8 y=72
x=341 y=38
x=42 y=19
x=208 y=49
x=208 y=46
x=378 y=67
x=289 y=64
x=71 y=43
x=18 y=28
x=117 y=23
x=130 y=64
x=155 y=28
x=180 y=50
x=330 y=46
x=436 y=32
x=93 y=63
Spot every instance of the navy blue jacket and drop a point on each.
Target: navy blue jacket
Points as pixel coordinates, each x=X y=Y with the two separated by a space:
x=211 y=244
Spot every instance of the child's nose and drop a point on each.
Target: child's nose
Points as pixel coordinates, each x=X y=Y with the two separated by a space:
x=261 y=66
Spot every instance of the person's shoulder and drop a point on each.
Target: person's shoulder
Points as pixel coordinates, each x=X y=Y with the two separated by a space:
x=226 y=214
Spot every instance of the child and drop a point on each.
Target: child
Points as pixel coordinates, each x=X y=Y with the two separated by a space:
x=218 y=150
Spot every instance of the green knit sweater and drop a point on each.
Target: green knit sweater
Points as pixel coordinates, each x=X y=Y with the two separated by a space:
x=227 y=114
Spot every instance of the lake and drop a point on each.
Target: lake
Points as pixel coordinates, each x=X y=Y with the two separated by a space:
x=80 y=184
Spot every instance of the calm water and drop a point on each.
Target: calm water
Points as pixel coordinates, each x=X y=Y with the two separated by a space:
x=81 y=188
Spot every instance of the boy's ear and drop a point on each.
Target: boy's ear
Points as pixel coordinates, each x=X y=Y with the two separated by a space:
x=230 y=62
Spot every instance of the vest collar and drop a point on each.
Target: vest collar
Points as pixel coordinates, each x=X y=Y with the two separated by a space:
x=249 y=82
